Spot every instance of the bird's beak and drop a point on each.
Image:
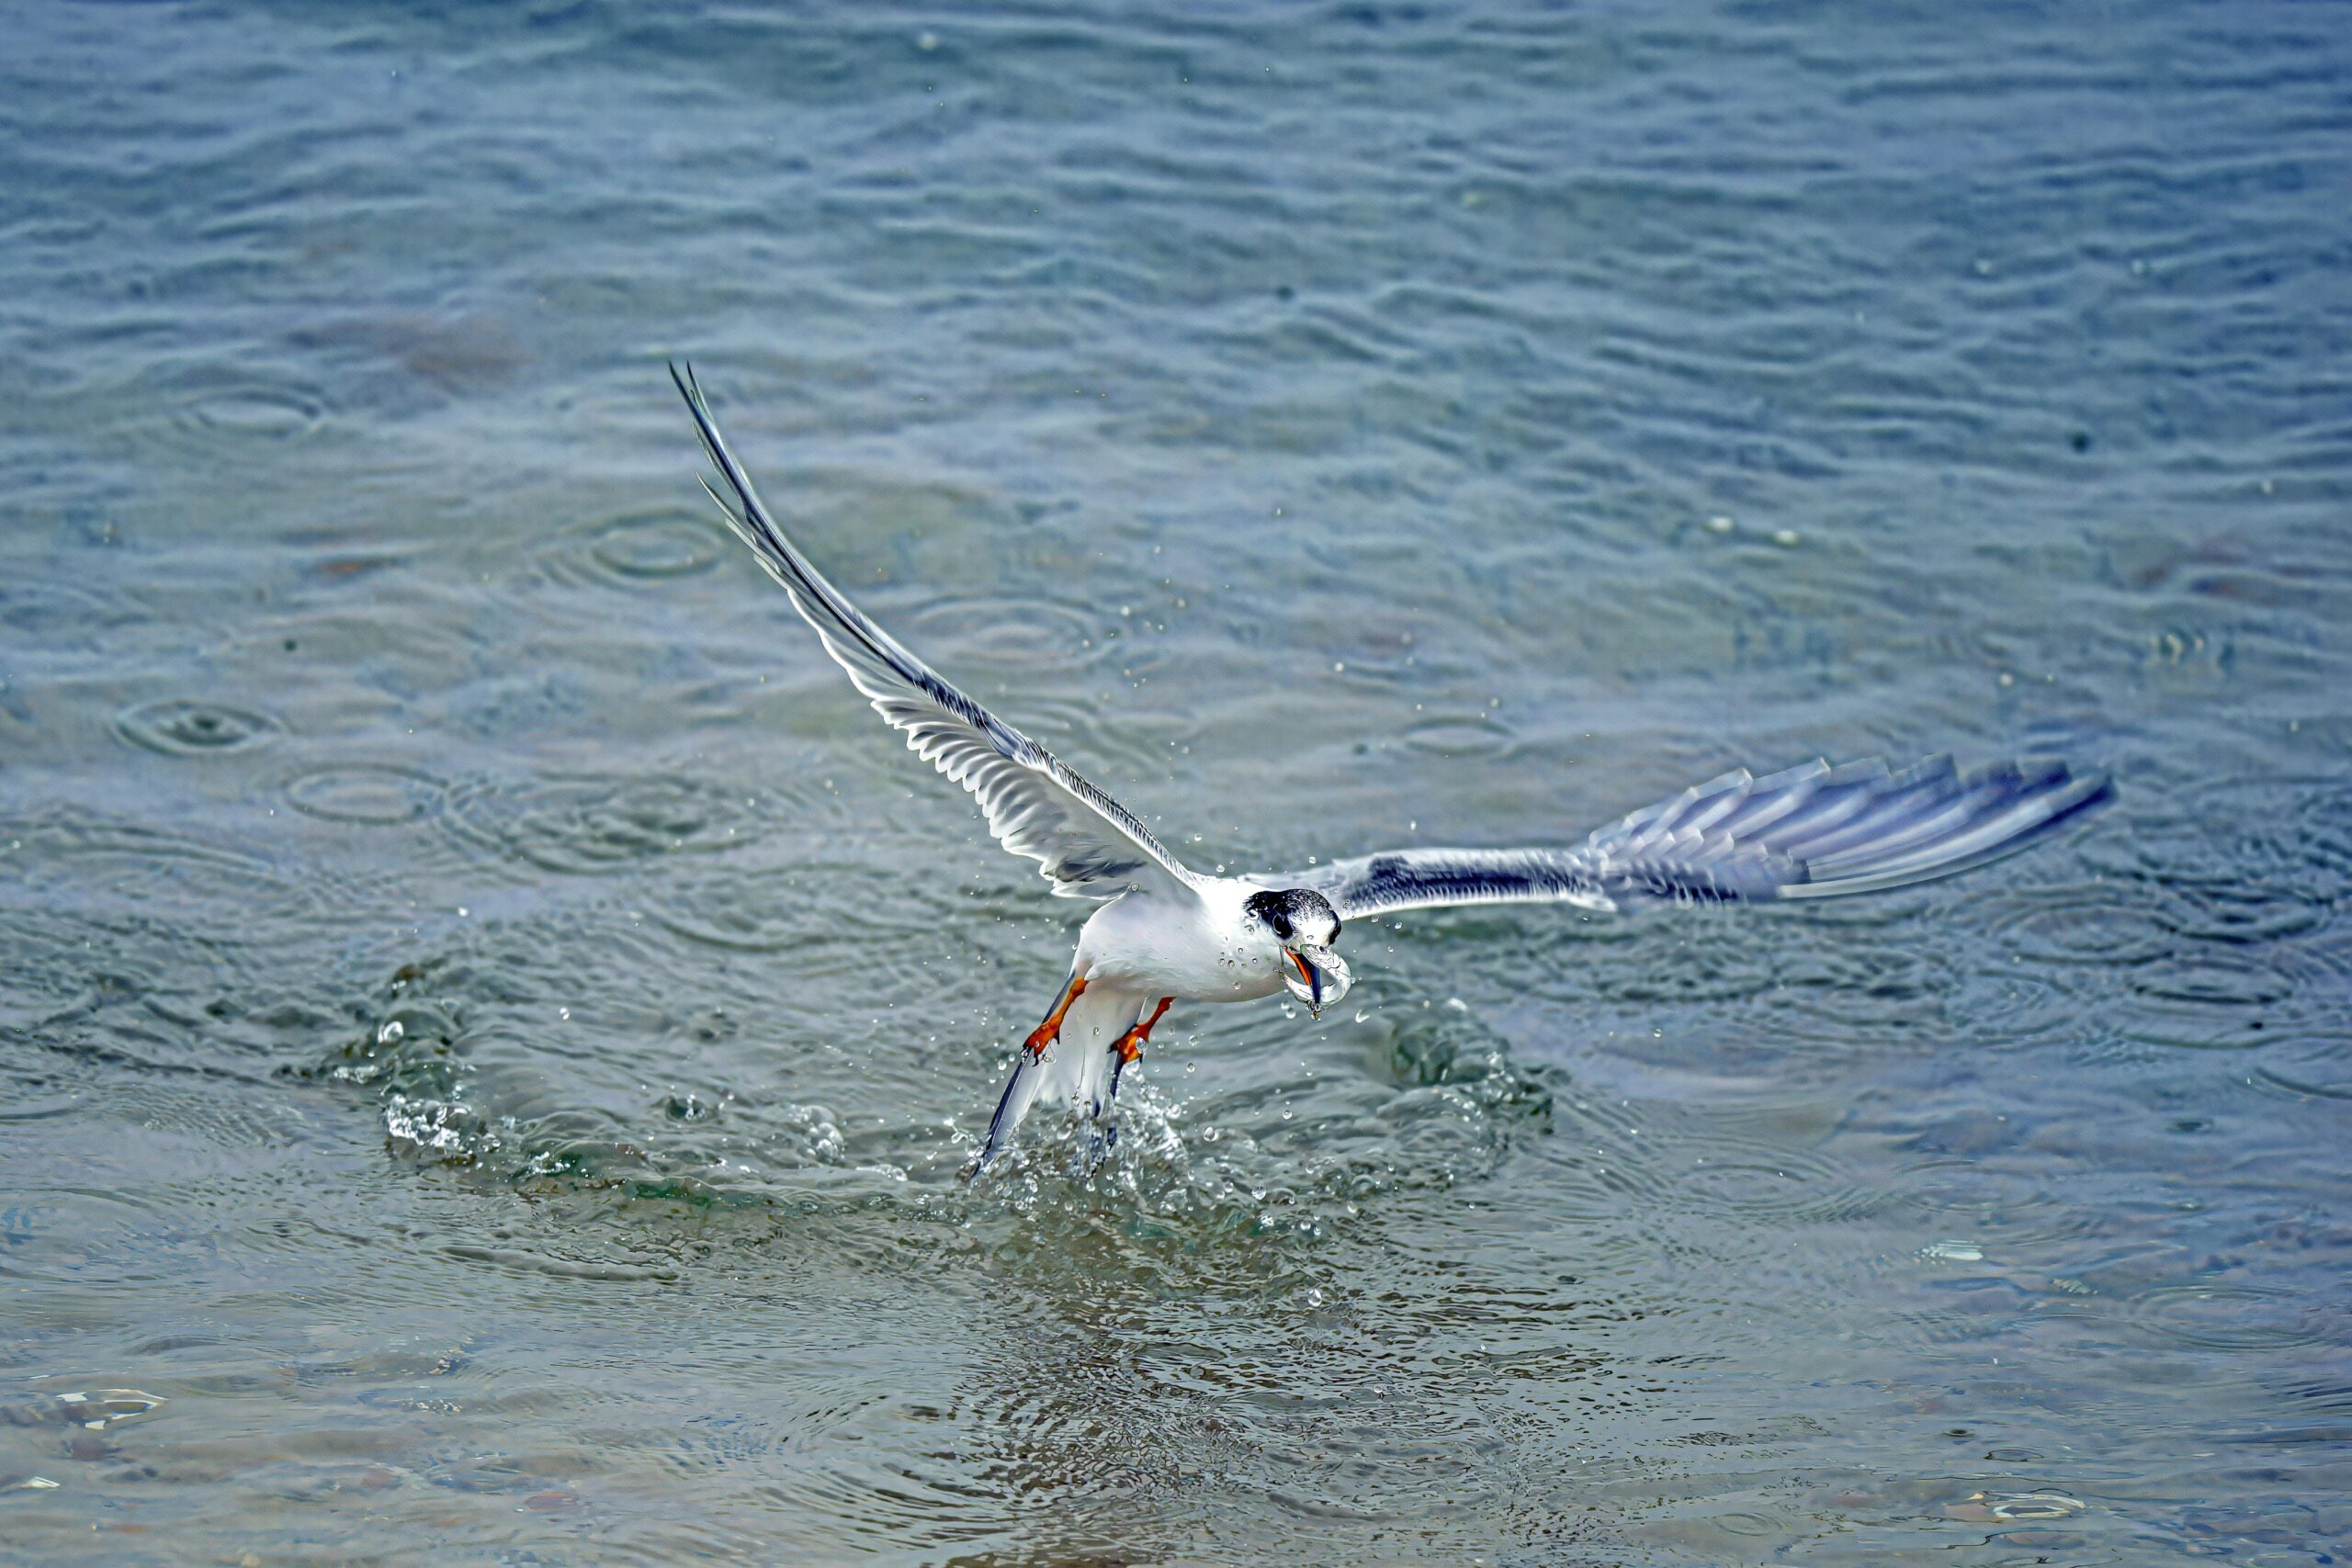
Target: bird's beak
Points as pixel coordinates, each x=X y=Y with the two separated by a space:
x=1323 y=978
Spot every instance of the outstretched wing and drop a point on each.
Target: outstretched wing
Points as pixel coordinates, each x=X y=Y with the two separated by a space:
x=1812 y=833
x=1088 y=845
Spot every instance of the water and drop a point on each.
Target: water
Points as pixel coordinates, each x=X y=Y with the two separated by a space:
x=491 y=1025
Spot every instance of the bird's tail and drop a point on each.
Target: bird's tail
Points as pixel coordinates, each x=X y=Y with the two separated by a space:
x=1076 y=1069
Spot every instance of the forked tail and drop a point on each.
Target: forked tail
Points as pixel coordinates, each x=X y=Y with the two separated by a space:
x=1075 y=1069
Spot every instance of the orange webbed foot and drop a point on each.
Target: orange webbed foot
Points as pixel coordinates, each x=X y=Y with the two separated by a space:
x=1132 y=1042
x=1045 y=1033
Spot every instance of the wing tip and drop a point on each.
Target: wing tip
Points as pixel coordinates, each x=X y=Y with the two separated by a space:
x=2063 y=797
x=681 y=376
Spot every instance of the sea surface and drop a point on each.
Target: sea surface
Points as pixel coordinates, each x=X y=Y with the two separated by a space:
x=490 y=1024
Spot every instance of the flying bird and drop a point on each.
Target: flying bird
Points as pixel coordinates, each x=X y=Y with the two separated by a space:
x=1162 y=932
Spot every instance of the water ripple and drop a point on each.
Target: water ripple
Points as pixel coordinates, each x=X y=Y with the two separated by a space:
x=640 y=550
x=184 y=727
x=105 y=867
x=1762 y=1179
x=599 y=824
x=2080 y=923
x=365 y=793
x=523 y=1115
x=2230 y=1317
x=1041 y=634
x=1475 y=735
x=225 y=413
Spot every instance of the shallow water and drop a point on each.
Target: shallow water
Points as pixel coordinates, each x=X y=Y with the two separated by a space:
x=490 y=1025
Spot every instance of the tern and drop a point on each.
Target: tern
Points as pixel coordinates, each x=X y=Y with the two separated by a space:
x=1162 y=932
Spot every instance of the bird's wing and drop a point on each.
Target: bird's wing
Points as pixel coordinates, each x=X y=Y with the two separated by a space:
x=1088 y=845
x=1811 y=832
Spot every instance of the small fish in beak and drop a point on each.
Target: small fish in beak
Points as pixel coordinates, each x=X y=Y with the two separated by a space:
x=1316 y=976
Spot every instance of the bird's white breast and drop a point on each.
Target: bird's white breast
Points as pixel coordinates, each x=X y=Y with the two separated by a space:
x=1196 y=949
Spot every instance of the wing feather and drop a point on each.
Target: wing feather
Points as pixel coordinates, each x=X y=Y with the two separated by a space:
x=1087 y=844
x=1813 y=831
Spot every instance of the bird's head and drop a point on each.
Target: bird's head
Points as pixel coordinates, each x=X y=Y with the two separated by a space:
x=1306 y=926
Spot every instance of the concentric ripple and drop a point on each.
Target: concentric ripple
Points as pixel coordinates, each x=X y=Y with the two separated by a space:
x=2092 y=922
x=2232 y=1317
x=1015 y=632
x=184 y=727
x=1729 y=1173
x=1988 y=1199
x=593 y=825
x=2227 y=1001
x=2267 y=831
x=747 y=910
x=2318 y=1065
x=641 y=550
x=102 y=866
x=370 y=795
x=1468 y=735
x=219 y=411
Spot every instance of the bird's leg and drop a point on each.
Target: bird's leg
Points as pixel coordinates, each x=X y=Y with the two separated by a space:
x=1131 y=1043
x=1045 y=1033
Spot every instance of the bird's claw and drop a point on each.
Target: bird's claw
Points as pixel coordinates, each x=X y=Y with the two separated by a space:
x=1045 y=1033
x=1130 y=1044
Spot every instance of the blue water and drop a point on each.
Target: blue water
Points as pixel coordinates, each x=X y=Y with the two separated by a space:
x=489 y=1024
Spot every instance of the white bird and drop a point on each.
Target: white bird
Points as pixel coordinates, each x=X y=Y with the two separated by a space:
x=1164 y=933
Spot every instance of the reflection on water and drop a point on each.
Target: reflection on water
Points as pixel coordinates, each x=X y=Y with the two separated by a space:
x=491 y=1025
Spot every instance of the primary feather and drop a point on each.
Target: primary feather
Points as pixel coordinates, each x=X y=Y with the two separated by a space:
x=1088 y=845
x=1810 y=832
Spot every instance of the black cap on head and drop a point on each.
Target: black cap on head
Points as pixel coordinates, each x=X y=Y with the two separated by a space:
x=1296 y=913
